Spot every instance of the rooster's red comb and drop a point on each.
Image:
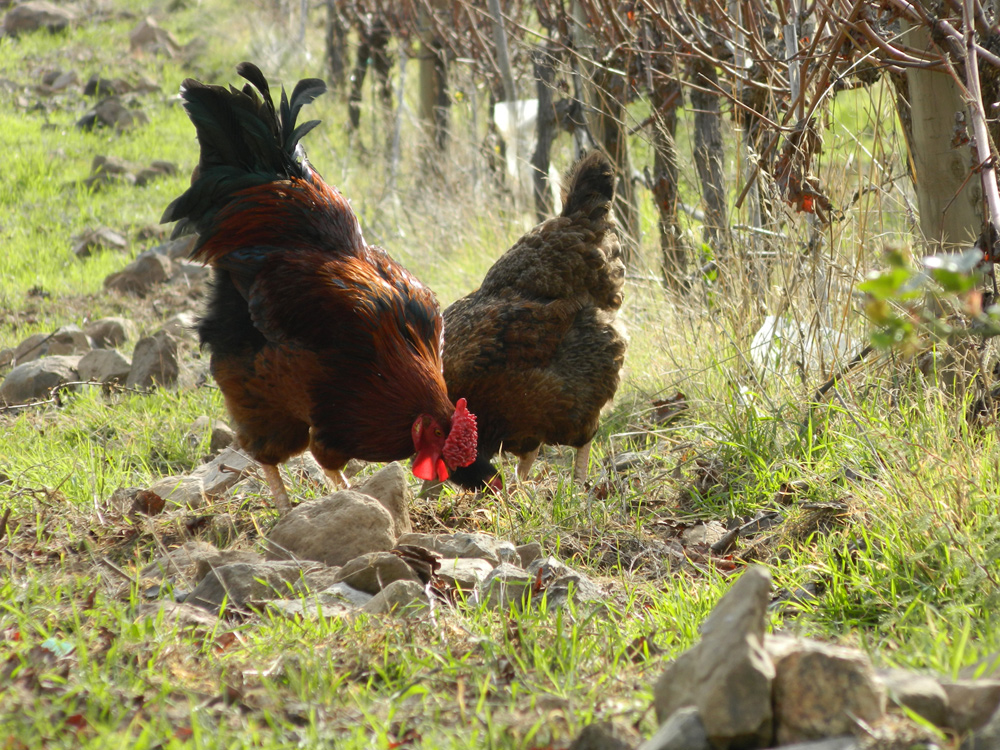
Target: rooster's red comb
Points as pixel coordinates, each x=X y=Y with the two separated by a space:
x=460 y=447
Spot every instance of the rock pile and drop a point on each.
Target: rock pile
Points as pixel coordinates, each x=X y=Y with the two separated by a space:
x=354 y=551
x=163 y=263
x=37 y=15
x=740 y=687
x=71 y=355
x=92 y=354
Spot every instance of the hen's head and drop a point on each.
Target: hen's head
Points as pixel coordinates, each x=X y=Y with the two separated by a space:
x=439 y=449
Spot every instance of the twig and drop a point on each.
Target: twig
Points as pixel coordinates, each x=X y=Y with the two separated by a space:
x=54 y=390
x=858 y=359
x=981 y=138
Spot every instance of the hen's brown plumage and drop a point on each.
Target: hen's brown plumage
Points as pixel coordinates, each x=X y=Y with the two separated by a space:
x=536 y=349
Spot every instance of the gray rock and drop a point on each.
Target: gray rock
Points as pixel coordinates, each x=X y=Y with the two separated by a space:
x=181 y=562
x=243 y=582
x=464 y=573
x=465 y=545
x=142 y=274
x=178 y=615
x=148 y=37
x=778 y=645
x=844 y=742
x=155 y=171
x=920 y=693
x=184 y=271
x=341 y=592
x=98 y=86
x=111 y=113
x=986 y=737
x=605 y=735
x=208 y=482
x=222 y=530
x=109 y=333
x=224 y=471
x=550 y=568
x=373 y=572
x=703 y=533
x=178 y=249
x=167 y=168
x=104 y=366
x=100 y=238
x=305 y=467
x=154 y=362
x=559 y=582
x=183 y=325
x=528 y=553
x=111 y=165
x=389 y=487
x=34 y=347
x=821 y=690
x=198 y=430
x=222 y=437
x=402 y=598
x=106 y=170
x=727 y=675
x=219 y=434
x=332 y=530
x=317 y=580
x=35 y=380
x=207 y=563
x=62 y=81
x=310 y=608
x=68 y=340
x=506 y=584
x=683 y=730
x=576 y=587
x=181 y=491
x=35 y=15
x=6 y=357
x=65 y=340
x=339 y=600
x=972 y=702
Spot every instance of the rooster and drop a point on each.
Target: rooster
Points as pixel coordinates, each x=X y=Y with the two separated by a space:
x=318 y=340
x=537 y=350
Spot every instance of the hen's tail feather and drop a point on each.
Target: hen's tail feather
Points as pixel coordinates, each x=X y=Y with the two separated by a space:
x=590 y=187
x=244 y=142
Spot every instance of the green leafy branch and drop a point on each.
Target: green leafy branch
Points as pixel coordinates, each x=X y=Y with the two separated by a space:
x=939 y=301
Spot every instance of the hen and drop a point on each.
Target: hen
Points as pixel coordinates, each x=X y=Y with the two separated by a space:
x=318 y=340
x=537 y=350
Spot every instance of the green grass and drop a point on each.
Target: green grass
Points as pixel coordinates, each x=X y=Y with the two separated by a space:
x=908 y=570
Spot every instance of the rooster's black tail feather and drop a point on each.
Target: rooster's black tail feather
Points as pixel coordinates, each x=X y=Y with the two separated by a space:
x=244 y=142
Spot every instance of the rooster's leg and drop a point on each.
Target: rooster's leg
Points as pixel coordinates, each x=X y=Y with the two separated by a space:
x=524 y=463
x=277 y=487
x=337 y=479
x=581 y=464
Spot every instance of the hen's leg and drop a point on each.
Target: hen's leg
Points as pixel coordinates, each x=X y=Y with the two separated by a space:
x=581 y=464
x=524 y=463
x=277 y=487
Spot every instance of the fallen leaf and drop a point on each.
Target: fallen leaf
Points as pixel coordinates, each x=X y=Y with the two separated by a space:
x=77 y=721
x=409 y=737
x=642 y=648
x=148 y=503
x=668 y=409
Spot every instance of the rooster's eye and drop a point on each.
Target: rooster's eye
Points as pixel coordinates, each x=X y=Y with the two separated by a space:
x=438 y=433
